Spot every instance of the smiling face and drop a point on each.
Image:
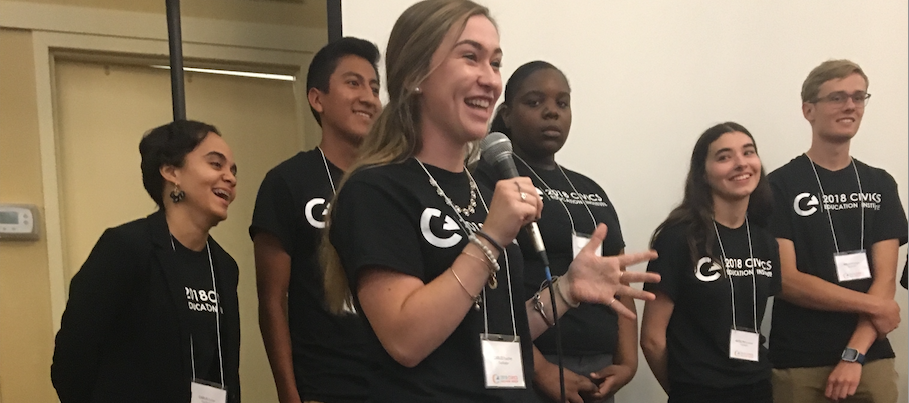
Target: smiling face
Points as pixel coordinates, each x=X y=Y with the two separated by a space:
x=208 y=177
x=540 y=115
x=459 y=94
x=733 y=168
x=836 y=123
x=351 y=104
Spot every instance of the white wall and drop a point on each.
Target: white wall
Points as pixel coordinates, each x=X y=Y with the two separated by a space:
x=648 y=77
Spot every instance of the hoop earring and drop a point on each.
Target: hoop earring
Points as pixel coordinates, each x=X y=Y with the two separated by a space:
x=177 y=195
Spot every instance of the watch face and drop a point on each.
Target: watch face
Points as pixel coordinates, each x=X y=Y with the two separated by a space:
x=850 y=354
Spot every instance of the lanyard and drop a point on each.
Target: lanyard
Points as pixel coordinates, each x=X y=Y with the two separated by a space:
x=327 y=171
x=462 y=223
x=573 y=229
x=829 y=218
x=753 y=275
x=214 y=286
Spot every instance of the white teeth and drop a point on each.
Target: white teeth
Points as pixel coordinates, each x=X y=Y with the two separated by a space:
x=741 y=177
x=480 y=103
x=221 y=193
x=364 y=114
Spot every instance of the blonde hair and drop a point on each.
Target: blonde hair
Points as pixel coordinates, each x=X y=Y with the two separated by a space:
x=826 y=71
x=395 y=137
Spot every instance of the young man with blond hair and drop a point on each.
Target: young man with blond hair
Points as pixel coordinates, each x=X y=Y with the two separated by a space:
x=839 y=224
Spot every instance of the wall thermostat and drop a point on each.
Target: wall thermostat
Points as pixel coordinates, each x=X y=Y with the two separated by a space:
x=18 y=222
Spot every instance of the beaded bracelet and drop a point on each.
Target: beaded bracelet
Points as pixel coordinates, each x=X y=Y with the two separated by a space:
x=494 y=265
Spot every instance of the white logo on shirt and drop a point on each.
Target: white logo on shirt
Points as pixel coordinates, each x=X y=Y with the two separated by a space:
x=449 y=225
x=812 y=202
x=704 y=275
x=201 y=300
x=592 y=199
x=735 y=267
x=837 y=201
x=310 y=206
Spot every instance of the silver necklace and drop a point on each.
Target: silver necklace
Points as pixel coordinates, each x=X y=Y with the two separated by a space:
x=464 y=211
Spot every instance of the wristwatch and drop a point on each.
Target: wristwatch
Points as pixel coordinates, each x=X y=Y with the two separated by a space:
x=852 y=355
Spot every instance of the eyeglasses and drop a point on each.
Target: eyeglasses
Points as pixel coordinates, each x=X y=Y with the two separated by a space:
x=859 y=98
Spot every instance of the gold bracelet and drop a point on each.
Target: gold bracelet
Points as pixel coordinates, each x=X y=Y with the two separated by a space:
x=476 y=299
x=492 y=281
x=480 y=259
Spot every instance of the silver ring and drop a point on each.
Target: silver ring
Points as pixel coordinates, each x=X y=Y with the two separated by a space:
x=523 y=196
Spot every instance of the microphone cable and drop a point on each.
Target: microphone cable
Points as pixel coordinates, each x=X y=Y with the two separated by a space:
x=555 y=325
x=497 y=151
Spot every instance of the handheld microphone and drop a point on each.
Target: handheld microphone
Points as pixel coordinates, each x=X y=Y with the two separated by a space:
x=496 y=150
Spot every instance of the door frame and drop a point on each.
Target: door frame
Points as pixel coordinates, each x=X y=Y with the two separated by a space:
x=112 y=35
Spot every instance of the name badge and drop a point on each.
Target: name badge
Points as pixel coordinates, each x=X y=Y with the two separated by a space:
x=743 y=345
x=578 y=241
x=204 y=393
x=852 y=265
x=502 y=361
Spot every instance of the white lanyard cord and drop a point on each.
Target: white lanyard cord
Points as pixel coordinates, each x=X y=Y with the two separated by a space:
x=464 y=227
x=214 y=286
x=753 y=275
x=192 y=355
x=829 y=217
x=560 y=201
x=514 y=327
x=327 y=171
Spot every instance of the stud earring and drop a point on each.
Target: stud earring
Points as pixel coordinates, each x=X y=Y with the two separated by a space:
x=177 y=195
x=417 y=90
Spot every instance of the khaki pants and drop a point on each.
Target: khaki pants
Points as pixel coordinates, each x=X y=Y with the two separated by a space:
x=807 y=385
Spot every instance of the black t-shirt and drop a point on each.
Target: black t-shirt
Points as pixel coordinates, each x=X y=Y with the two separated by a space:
x=196 y=274
x=697 y=338
x=391 y=216
x=803 y=337
x=328 y=350
x=591 y=328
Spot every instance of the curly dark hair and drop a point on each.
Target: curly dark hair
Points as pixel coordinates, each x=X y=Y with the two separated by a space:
x=168 y=145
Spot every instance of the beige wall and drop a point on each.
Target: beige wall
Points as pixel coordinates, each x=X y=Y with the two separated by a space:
x=26 y=338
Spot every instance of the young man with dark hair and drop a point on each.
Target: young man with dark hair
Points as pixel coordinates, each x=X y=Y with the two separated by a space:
x=314 y=355
x=839 y=224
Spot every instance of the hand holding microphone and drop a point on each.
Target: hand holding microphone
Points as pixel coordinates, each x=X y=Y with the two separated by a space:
x=515 y=203
x=496 y=150
x=590 y=278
